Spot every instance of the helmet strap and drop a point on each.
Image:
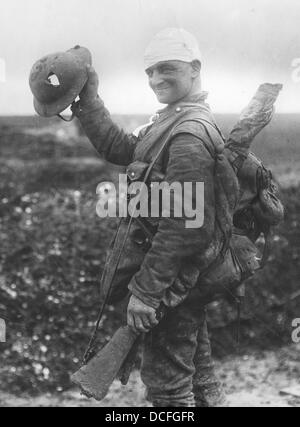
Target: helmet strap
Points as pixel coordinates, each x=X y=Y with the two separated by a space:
x=65 y=119
x=72 y=116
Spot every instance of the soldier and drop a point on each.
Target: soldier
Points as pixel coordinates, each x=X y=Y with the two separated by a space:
x=165 y=271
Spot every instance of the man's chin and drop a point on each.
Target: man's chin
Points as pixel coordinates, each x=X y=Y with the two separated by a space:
x=163 y=96
x=166 y=99
x=163 y=100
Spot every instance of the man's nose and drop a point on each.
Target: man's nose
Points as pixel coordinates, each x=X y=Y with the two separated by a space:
x=156 y=79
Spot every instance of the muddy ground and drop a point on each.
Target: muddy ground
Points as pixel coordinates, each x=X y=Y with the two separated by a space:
x=41 y=172
x=258 y=379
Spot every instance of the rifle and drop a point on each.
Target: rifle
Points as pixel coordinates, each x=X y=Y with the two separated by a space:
x=95 y=378
x=115 y=361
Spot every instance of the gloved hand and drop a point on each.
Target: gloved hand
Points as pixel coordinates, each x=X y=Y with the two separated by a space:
x=90 y=91
x=141 y=317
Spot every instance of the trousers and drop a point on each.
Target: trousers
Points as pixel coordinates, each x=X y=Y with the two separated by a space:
x=177 y=366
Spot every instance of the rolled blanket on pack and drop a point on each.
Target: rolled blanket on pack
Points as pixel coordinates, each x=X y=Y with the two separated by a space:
x=254 y=118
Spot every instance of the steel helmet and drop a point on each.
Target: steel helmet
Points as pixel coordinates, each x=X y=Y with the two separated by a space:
x=57 y=79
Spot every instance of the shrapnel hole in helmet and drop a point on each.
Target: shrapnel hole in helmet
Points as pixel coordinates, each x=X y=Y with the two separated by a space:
x=53 y=80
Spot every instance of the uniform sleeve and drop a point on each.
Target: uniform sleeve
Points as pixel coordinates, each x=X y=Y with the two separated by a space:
x=111 y=143
x=175 y=244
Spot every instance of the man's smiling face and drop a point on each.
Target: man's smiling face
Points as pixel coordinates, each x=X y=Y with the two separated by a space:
x=171 y=81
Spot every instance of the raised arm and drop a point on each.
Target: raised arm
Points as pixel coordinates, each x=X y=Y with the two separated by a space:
x=112 y=143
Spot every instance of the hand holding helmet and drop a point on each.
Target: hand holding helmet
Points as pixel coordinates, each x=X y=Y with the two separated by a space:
x=90 y=91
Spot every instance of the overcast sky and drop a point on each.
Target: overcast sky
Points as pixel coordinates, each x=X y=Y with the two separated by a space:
x=244 y=43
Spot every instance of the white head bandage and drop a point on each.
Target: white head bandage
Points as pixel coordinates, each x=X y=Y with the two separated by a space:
x=172 y=44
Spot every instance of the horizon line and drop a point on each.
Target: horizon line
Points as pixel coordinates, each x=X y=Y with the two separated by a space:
x=141 y=114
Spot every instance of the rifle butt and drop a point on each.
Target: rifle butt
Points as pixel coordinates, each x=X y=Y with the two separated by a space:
x=95 y=378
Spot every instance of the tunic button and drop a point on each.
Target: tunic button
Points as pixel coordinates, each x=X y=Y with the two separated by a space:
x=133 y=174
x=178 y=110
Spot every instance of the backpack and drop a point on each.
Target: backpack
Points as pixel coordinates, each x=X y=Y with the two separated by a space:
x=258 y=208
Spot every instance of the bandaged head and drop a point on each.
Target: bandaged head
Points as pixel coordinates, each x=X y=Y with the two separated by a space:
x=172 y=44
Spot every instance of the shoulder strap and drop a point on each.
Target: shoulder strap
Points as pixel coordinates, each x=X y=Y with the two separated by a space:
x=204 y=122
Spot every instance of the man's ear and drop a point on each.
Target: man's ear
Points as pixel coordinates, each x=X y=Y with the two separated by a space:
x=196 y=65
